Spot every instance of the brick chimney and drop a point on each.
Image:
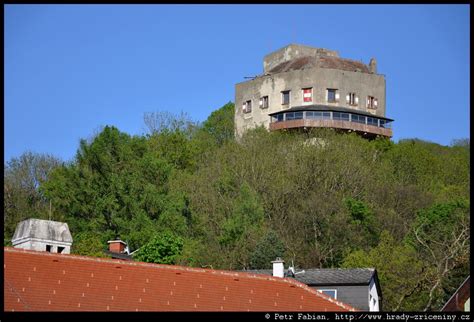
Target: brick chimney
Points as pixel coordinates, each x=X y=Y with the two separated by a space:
x=278 y=267
x=117 y=246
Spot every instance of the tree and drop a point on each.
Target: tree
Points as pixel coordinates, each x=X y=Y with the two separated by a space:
x=268 y=249
x=400 y=272
x=89 y=243
x=114 y=181
x=162 y=249
x=22 y=197
x=242 y=228
x=220 y=124
x=362 y=217
x=441 y=236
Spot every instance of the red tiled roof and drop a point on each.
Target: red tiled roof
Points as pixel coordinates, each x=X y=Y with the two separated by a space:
x=40 y=281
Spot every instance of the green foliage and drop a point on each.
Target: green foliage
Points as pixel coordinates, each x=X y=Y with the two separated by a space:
x=268 y=249
x=162 y=249
x=89 y=243
x=22 y=198
x=220 y=124
x=193 y=195
x=441 y=236
x=363 y=218
x=399 y=270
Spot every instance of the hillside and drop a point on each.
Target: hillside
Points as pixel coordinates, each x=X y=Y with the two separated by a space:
x=321 y=199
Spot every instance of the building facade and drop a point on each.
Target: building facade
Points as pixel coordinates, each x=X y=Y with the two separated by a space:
x=304 y=87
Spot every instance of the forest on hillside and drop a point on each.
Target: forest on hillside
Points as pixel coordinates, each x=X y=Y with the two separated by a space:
x=191 y=194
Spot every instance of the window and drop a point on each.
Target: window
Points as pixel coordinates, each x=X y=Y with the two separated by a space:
x=318 y=115
x=330 y=292
x=307 y=95
x=340 y=116
x=48 y=248
x=352 y=99
x=264 y=102
x=358 y=118
x=285 y=97
x=294 y=116
x=314 y=115
x=372 y=102
x=332 y=95
x=60 y=249
x=279 y=117
x=385 y=124
x=372 y=121
x=247 y=107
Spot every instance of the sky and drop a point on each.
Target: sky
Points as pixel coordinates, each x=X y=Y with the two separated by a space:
x=71 y=69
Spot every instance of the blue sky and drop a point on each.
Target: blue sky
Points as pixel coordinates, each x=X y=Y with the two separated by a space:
x=70 y=69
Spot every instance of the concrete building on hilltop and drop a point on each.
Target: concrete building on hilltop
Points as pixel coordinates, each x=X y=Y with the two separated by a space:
x=304 y=87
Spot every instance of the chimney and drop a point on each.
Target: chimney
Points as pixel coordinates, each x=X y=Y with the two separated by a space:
x=116 y=246
x=278 y=267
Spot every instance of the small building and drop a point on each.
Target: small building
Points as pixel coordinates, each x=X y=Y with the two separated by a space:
x=43 y=235
x=303 y=87
x=358 y=287
x=41 y=281
x=460 y=301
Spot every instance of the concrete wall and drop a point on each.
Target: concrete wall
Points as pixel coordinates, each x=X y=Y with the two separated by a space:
x=40 y=245
x=320 y=79
x=291 y=52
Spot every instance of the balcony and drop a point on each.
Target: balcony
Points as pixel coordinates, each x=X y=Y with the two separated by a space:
x=364 y=124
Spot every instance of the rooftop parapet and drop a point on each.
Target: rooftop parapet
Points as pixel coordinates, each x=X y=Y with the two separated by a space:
x=294 y=51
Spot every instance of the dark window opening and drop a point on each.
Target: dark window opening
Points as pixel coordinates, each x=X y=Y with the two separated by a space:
x=331 y=95
x=48 y=248
x=371 y=102
x=351 y=99
x=60 y=249
x=285 y=97
x=247 y=107
x=264 y=102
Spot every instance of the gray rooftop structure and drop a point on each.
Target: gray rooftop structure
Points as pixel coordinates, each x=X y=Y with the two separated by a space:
x=43 y=235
